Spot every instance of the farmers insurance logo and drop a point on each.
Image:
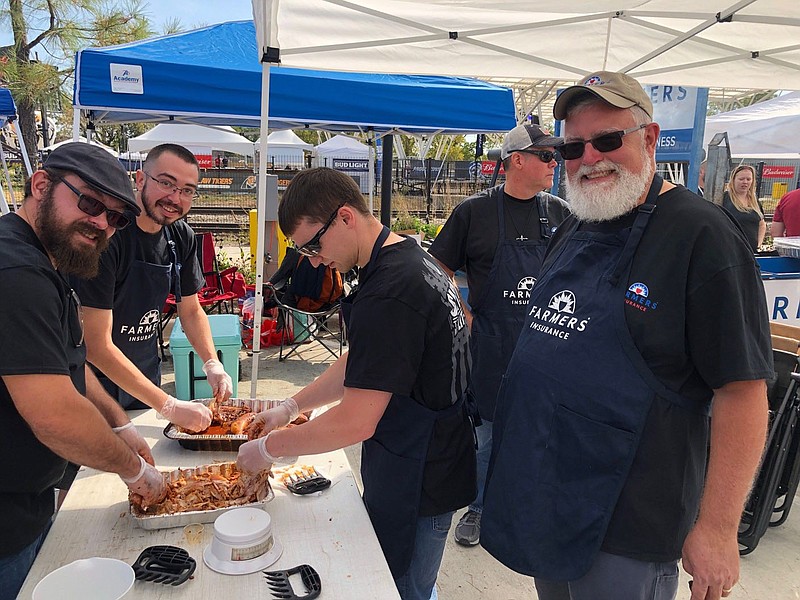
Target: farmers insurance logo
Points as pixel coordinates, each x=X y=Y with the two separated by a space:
x=522 y=294
x=126 y=79
x=147 y=327
x=558 y=319
x=638 y=296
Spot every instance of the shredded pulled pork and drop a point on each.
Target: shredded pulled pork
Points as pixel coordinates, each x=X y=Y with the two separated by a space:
x=226 y=420
x=221 y=487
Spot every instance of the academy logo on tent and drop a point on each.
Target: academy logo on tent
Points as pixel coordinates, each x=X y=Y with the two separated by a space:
x=126 y=79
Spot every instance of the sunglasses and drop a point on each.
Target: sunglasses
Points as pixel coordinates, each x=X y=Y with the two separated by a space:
x=608 y=142
x=544 y=155
x=76 y=320
x=94 y=207
x=313 y=247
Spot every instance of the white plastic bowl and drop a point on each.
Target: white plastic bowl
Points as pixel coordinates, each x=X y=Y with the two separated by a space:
x=87 y=579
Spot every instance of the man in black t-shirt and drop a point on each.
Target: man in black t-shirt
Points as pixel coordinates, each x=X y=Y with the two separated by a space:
x=53 y=409
x=501 y=269
x=155 y=256
x=401 y=385
x=648 y=316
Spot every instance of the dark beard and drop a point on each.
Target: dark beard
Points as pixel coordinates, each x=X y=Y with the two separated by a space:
x=83 y=262
x=149 y=209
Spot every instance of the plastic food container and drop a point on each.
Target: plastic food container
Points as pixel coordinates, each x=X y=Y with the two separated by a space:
x=243 y=542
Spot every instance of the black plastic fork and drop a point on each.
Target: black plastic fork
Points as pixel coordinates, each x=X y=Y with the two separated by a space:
x=280 y=586
x=169 y=565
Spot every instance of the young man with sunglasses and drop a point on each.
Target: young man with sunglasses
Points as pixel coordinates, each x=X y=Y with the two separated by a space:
x=498 y=237
x=648 y=316
x=155 y=256
x=400 y=386
x=52 y=408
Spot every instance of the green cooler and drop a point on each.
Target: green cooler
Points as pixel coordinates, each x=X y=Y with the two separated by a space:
x=190 y=381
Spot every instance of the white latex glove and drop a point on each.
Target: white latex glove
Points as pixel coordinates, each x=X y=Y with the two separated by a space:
x=149 y=483
x=220 y=382
x=193 y=416
x=254 y=457
x=272 y=418
x=135 y=441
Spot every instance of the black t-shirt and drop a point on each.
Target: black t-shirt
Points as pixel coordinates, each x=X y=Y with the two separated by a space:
x=408 y=336
x=133 y=244
x=748 y=220
x=40 y=333
x=469 y=238
x=705 y=326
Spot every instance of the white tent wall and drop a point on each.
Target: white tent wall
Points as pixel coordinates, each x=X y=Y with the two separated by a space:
x=765 y=128
x=193 y=136
x=286 y=150
x=347 y=155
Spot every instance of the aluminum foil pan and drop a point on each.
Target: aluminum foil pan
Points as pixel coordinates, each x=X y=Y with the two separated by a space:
x=218 y=443
x=196 y=516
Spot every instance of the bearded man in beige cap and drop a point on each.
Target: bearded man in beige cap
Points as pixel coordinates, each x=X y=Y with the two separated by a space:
x=647 y=317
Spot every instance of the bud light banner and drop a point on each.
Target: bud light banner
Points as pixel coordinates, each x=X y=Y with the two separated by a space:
x=350 y=164
x=681 y=113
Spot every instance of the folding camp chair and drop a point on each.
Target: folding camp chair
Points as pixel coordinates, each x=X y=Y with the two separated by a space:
x=776 y=481
x=222 y=288
x=302 y=327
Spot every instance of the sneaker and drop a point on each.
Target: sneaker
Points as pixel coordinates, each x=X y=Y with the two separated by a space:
x=468 y=530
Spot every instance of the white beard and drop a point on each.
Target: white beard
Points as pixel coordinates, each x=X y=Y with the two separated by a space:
x=604 y=202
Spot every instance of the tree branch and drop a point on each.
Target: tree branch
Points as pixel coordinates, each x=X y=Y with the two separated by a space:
x=48 y=31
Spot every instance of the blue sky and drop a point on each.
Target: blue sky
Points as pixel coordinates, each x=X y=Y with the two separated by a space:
x=191 y=13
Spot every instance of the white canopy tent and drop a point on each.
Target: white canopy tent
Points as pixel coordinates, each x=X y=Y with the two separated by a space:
x=347 y=154
x=94 y=142
x=193 y=136
x=763 y=130
x=703 y=43
x=285 y=146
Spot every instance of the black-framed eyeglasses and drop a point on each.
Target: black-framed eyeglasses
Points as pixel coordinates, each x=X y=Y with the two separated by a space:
x=93 y=207
x=76 y=320
x=544 y=155
x=608 y=142
x=166 y=186
x=313 y=247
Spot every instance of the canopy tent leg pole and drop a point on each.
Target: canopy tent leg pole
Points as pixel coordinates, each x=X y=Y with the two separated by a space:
x=261 y=226
x=386 y=180
x=76 y=125
x=371 y=144
x=22 y=148
x=4 y=209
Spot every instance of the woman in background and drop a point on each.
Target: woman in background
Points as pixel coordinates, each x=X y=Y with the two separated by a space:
x=741 y=202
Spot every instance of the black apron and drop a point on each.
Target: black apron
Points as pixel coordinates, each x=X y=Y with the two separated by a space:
x=393 y=460
x=137 y=312
x=571 y=410
x=499 y=312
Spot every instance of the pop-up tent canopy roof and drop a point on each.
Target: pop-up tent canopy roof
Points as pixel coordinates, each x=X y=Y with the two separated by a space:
x=705 y=43
x=286 y=139
x=192 y=136
x=7 y=107
x=8 y=112
x=213 y=76
x=342 y=145
x=763 y=129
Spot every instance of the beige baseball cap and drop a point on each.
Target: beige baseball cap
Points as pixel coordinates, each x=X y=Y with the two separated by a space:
x=618 y=89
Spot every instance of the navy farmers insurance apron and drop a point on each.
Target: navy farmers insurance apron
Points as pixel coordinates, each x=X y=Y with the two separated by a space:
x=393 y=460
x=499 y=312
x=137 y=311
x=571 y=409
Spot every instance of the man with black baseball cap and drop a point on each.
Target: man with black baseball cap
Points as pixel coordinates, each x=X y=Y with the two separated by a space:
x=648 y=316
x=52 y=409
x=498 y=237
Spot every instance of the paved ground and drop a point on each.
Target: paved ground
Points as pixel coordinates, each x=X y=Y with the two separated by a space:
x=771 y=572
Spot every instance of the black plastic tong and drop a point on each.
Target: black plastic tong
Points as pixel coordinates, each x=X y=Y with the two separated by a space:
x=278 y=582
x=169 y=565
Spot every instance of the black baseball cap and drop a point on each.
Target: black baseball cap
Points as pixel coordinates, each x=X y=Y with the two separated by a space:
x=96 y=167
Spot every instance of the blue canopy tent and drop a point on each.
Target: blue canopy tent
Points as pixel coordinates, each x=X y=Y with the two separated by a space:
x=212 y=76
x=8 y=114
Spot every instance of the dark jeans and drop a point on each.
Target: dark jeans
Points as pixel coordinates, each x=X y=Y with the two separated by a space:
x=14 y=569
x=615 y=577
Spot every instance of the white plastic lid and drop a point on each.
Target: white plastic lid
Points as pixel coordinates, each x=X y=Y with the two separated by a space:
x=242 y=526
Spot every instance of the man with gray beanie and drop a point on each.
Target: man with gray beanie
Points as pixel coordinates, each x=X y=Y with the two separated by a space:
x=648 y=316
x=52 y=409
x=498 y=237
